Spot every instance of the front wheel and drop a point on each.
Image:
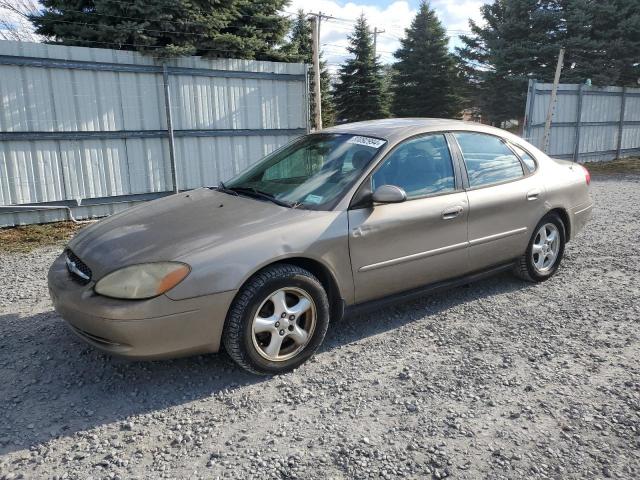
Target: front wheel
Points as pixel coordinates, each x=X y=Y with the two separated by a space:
x=277 y=321
x=544 y=252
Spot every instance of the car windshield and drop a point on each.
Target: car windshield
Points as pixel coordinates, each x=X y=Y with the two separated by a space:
x=312 y=172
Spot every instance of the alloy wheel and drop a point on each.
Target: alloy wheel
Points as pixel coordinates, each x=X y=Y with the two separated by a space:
x=284 y=324
x=545 y=248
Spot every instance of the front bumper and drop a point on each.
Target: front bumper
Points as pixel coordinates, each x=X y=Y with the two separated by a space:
x=144 y=329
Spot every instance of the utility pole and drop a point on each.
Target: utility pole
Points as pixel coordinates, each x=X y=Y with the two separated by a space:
x=317 y=100
x=552 y=102
x=375 y=39
x=167 y=110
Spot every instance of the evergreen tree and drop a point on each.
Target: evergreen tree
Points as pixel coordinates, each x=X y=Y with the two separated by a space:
x=213 y=28
x=425 y=79
x=300 y=49
x=602 y=41
x=260 y=29
x=518 y=41
x=389 y=75
x=359 y=94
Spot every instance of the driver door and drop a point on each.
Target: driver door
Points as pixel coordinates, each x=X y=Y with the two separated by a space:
x=400 y=246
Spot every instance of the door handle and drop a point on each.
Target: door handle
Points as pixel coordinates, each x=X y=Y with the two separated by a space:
x=452 y=212
x=533 y=194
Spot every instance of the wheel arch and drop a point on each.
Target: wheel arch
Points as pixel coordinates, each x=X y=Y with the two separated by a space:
x=566 y=220
x=322 y=272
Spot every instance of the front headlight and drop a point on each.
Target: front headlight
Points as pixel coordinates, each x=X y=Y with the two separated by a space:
x=146 y=280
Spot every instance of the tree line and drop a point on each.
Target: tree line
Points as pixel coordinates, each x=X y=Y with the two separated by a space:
x=489 y=70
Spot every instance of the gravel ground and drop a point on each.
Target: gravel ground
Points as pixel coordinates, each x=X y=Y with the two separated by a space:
x=500 y=379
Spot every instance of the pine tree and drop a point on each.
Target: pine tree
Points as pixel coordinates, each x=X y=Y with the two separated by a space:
x=518 y=41
x=425 y=79
x=389 y=75
x=602 y=41
x=300 y=49
x=261 y=29
x=213 y=28
x=359 y=93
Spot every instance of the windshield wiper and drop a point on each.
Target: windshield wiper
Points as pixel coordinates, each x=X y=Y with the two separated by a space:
x=252 y=191
x=223 y=188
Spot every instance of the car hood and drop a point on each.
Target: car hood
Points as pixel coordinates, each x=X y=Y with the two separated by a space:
x=171 y=227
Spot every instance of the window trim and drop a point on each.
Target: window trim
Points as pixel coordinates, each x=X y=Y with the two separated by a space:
x=505 y=142
x=511 y=144
x=458 y=176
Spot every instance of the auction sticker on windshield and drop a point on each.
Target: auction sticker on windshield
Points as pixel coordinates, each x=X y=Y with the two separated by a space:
x=314 y=199
x=367 y=141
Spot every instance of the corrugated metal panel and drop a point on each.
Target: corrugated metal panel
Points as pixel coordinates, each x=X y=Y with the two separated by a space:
x=632 y=109
x=588 y=114
x=79 y=213
x=631 y=137
x=207 y=161
x=598 y=138
x=36 y=99
x=597 y=108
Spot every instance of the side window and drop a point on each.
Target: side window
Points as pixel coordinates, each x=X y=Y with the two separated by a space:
x=421 y=166
x=526 y=158
x=488 y=160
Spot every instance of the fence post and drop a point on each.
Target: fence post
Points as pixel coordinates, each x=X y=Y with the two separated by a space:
x=307 y=99
x=167 y=109
x=623 y=107
x=576 y=135
x=528 y=114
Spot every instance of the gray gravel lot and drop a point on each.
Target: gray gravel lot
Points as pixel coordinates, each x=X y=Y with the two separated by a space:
x=500 y=379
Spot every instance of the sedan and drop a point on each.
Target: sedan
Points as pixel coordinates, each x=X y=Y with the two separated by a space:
x=343 y=219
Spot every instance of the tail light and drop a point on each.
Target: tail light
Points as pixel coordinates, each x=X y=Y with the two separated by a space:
x=587 y=175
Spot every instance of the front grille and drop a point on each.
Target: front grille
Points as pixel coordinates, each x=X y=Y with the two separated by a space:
x=79 y=270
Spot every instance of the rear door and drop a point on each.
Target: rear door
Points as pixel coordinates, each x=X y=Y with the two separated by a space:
x=506 y=199
x=399 y=246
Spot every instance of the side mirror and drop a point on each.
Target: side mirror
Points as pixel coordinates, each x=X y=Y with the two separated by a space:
x=389 y=194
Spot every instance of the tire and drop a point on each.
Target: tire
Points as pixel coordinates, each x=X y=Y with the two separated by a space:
x=535 y=268
x=269 y=309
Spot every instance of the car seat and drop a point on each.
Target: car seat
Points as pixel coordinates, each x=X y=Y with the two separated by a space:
x=360 y=158
x=417 y=172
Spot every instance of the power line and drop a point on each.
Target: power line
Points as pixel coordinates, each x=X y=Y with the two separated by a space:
x=204 y=35
x=346 y=48
x=128 y=3
x=156 y=47
x=136 y=28
x=181 y=23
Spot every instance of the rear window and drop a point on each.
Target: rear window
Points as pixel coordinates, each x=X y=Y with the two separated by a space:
x=526 y=158
x=488 y=159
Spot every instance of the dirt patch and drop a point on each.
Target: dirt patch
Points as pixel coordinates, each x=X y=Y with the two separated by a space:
x=623 y=165
x=25 y=239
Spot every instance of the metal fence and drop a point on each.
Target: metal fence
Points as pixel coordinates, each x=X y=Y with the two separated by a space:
x=588 y=123
x=97 y=130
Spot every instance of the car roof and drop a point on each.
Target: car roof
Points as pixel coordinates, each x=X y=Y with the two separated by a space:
x=396 y=129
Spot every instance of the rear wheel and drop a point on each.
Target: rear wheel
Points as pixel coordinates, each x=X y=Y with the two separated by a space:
x=544 y=252
x=277 y=321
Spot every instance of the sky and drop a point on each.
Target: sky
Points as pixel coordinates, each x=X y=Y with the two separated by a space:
x=392 y=16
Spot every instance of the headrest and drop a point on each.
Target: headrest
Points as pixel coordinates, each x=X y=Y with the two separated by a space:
x=360 y=159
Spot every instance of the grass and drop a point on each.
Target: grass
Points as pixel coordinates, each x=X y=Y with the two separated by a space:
x=623 y=165
x=27 y=238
